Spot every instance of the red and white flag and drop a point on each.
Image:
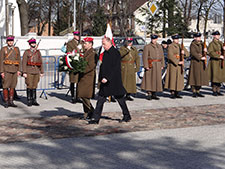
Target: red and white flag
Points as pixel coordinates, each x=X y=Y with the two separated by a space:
x=108 y=34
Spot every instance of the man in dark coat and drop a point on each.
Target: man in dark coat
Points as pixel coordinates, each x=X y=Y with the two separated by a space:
x=111 y=82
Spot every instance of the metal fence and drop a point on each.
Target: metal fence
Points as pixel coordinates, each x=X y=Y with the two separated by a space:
x=47 y=82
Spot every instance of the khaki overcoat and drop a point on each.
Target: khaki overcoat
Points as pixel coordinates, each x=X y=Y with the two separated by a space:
x=215 y=71
x=86 y=80
x=198 y=75
x=174 y=76
x=71 y=45
x=152 y=80
x=130 y=64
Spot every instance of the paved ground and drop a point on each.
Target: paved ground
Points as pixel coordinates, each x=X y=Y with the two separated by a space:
x=185 y=133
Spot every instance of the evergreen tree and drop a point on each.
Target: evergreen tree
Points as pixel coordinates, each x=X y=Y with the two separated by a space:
x=99 y=22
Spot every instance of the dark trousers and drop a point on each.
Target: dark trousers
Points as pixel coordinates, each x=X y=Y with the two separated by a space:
x=99 y=107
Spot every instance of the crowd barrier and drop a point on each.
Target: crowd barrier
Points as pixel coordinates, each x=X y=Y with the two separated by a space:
x=47 y=82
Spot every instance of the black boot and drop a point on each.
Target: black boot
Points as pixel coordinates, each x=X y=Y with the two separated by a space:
x=154 y=96
x=128 y=97
x=29 y=97
x=178 y=95
x=34 y=98
x=73 y=99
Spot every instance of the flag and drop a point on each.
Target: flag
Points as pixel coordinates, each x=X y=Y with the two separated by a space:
x=108 y=34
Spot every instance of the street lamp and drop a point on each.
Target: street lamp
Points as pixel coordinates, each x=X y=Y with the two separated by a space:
x=13 y=8
x=7 y=6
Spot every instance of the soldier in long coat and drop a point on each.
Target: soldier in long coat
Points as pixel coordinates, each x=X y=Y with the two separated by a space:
x=32 y=67
x=216 y=67
x=86 y=82
x=153 y=61
x=72 y=45
x=111 y=82
x=175 y=75
x=198 y=75
x=10 y=70
x=130 y=64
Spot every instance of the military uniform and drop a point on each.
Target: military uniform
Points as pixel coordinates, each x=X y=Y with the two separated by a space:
x=32 y=66
x=130 y=64
x=175 y=75
x=153 y=61
x=9 y=66
x=198 y=75
x=73 y=77
x=215 y=70
x=86 y=81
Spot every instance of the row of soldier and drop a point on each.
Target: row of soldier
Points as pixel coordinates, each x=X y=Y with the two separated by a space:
x=153 y=61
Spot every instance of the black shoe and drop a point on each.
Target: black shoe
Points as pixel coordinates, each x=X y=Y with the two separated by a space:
x=125 y=119
x=200 y=95
x=129 y=98
x=194 y=95
x=179 y=96
x=11 y=104
x=6 y=104
x=78 y=100
x=215 y=94
x=155 y=97
x=149 y=97
x=35 y=103
x=219 y=94
x=172 y=96
x=93 y=122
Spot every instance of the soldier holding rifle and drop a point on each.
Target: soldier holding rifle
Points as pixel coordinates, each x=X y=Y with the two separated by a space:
x=216 y=68
x=10 y=70
x=175 y=75
x=198 y=75
x=153 y=61
x=32 y=66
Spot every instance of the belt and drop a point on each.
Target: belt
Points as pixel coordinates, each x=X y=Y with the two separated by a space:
x=11 y=62
x=34 y=63
x=153 y=60
x=127 y=61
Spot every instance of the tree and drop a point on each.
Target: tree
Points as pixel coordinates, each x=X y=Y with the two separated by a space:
x=99 y=22
x=23 y=10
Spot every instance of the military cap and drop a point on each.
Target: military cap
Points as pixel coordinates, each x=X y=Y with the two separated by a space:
x=32 y=40
x=154 y=36
x=197 y=34
x=216 y=33
x=164 y=42
x=176 y=36
x=10 y=38
x=76 y=33
x=88 y=39
x=169 y=41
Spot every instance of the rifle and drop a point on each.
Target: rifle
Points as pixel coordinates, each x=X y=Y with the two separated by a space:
x=204 y=53
x=222 y=62
x=182 y=55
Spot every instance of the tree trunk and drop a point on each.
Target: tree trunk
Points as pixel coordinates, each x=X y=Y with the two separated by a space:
x=49 y=17
x=23 y=10
x=198 y=17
